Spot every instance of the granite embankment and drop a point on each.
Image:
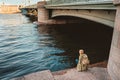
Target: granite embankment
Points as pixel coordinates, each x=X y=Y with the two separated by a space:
x=96 y=71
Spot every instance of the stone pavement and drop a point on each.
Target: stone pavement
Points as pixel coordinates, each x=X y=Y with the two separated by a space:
x=42 y=75
x=95 y=73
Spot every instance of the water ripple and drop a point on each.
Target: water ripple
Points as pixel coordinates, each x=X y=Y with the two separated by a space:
x=23 y=49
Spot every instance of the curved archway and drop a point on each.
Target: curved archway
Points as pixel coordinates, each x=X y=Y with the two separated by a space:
x=96 y=16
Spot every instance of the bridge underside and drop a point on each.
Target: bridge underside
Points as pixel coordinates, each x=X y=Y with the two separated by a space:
x=105 y=17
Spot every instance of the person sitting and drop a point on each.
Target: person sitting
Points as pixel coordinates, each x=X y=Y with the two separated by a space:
x=83 y=61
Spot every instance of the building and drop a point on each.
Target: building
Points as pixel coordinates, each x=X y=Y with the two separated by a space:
x=9 y=8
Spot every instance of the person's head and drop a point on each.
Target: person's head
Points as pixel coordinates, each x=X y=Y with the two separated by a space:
x=81 y=51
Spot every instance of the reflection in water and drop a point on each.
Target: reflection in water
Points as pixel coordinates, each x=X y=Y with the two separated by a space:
x=27 y=48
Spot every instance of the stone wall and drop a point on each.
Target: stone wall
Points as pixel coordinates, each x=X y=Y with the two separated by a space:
x=114 y=58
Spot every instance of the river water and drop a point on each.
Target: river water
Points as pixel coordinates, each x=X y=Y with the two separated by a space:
x=26 y=47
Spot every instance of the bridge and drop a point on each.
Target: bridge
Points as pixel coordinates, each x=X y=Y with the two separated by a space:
x=106 y=12
x=101 y=11
x=30 y=10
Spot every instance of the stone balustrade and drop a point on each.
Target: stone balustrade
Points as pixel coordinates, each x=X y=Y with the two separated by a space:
x=54 y=2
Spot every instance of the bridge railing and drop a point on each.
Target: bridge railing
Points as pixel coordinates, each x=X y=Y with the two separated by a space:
x=54 y=2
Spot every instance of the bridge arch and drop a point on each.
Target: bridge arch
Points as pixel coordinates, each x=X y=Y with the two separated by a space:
x=99 y=16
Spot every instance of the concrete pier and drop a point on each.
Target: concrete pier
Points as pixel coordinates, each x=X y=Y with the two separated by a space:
x=114 y=58
x=43 y=14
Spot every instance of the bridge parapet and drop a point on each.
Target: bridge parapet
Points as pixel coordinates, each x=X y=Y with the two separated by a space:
x=58 y=2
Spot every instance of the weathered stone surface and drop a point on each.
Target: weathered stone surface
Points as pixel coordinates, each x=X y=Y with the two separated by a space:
x=96 y=73
x=114 y=58
x=100 y=73
x=116 y=2
x=43 y=75
x=73 y=74
x=43 y=13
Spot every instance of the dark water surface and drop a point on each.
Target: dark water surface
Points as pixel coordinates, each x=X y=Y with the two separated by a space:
x=26 y=47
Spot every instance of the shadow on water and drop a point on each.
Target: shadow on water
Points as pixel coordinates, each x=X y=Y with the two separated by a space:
x=94 y=38
x=32 y=18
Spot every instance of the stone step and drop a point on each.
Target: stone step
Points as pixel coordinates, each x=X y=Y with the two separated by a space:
x=100 y=73
x=42 y=75
x=73 y=74
x=95 y=73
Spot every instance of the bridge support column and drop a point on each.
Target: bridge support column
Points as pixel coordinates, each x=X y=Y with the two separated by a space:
x=114 y=58
x=43 y=14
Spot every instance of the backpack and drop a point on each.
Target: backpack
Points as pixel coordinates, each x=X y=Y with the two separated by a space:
x=85 y=60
